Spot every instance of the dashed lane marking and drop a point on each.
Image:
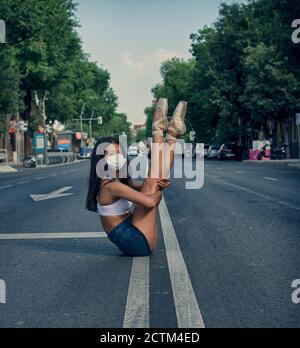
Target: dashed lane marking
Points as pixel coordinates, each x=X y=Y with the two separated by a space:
x=5 y=187
x=271 y=179
x=269 y=198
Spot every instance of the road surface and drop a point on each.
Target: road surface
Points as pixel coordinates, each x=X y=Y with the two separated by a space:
x=227 y=254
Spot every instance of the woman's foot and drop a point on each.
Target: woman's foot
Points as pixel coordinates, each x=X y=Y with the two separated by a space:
x=177 y=124
x=160 y=120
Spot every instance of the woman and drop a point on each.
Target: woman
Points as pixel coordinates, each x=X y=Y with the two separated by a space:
x=134 y=232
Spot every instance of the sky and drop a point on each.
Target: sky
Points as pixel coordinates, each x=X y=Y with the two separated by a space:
x=131 y=38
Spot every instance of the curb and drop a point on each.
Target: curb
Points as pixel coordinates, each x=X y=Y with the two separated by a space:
x=7 y=169
x=275 y=162
x=295 y=166
x=17 y=167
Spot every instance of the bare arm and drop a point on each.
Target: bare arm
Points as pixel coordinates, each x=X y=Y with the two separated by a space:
x=119 y=190
x=136 y=185
x=162 y=184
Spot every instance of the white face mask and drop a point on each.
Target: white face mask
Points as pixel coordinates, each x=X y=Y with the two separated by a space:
x=116 y=162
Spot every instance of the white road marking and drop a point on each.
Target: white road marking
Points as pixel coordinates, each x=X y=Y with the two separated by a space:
x=137 y=306
x=40 y=178
x=187 y=308
x=271 y=179
x=5 y=187
x=68 y=235
x=239 y=172
x=53 y=175
x=269 y=198
x=52 y=195
x=23 y=182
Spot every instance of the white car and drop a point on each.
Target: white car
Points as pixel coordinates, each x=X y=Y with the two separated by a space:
x=213 y=151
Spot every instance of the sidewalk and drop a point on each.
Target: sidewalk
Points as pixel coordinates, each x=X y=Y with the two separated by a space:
x=294 y=163
x=5 y=169
x=15 y=167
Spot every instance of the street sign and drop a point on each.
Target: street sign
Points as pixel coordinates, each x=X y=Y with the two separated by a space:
x=40 y=143
x=100 y=121
x=298 y=119
x=22 y=126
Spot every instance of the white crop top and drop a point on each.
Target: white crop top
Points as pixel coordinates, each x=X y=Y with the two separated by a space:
x=121 y=207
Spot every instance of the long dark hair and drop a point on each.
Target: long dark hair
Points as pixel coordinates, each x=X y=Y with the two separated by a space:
x=94 y=180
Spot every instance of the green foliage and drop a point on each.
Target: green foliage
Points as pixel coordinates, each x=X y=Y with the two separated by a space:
x=44 y=52
x=245 y=72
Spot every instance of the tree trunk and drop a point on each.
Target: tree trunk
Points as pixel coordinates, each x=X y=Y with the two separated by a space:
x=286 y=139
x=26 y=117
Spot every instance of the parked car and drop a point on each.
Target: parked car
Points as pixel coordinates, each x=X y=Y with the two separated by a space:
x=230 y=151
x=206 y=148
x=226 y=152
x=84 y=153
x=213 y=151
x=200 y=150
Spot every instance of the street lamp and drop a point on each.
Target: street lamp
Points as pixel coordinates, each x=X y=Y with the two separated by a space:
x=44 y=106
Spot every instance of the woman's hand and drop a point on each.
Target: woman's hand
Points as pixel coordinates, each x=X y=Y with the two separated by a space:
x=163 y=183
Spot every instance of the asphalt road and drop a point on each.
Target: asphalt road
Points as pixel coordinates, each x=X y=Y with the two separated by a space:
x=227 y=253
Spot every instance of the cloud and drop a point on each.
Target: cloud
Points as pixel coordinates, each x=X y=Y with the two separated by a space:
x=127 y=59
x=149 y=64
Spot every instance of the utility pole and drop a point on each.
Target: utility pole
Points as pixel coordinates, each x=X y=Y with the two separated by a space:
x=44 y=107
x=91 y=127
x=17 y=140
x=298 y=124
x=44 y=119
x=81 y=124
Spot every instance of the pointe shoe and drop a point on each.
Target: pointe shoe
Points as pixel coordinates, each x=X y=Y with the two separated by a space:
x=177 y=124
x=160 y=125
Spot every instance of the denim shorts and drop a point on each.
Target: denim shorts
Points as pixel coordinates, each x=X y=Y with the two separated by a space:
x=130 y=240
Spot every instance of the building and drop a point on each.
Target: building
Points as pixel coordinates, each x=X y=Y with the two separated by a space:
x=137 y=128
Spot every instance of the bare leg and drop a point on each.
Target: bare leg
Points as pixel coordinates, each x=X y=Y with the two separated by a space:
x=171 y=141
x=145 y=219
